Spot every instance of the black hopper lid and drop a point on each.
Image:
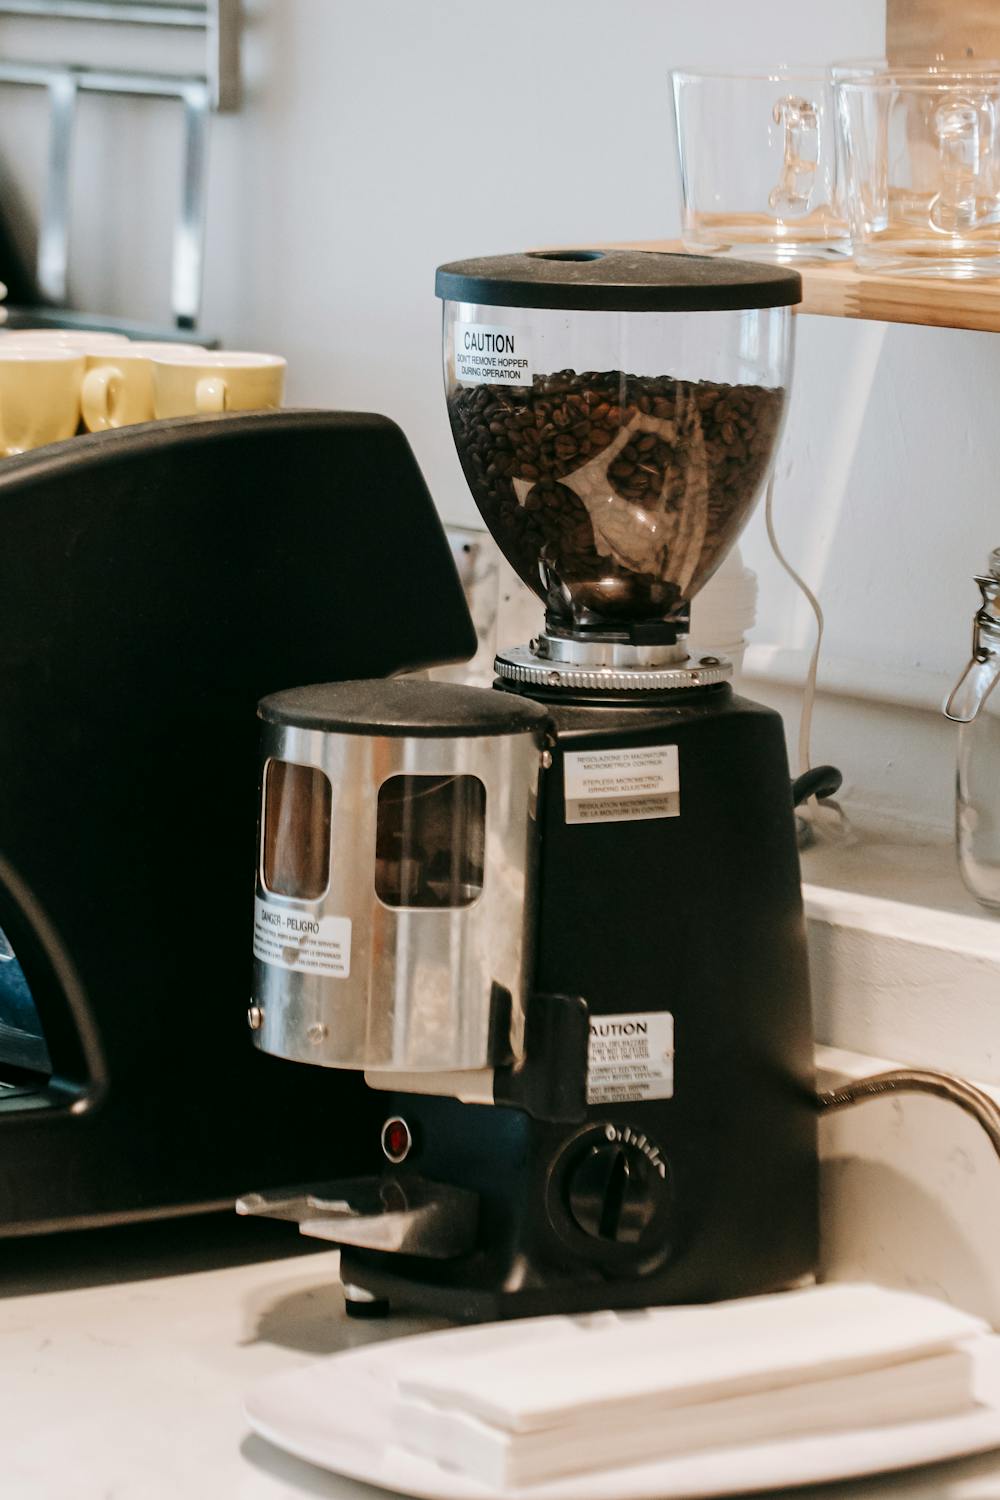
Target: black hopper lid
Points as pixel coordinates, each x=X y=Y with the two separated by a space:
x=618 y=281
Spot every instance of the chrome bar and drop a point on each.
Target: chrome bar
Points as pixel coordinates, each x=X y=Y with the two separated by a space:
x=63 y=85
x=132 y=12
x=153 y=85
x=189 y=231
x=102 y=81
x=53 y=231
x=220 y=20
x=68 y=317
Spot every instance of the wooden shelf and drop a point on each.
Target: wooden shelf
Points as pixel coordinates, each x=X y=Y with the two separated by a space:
x=837 y=290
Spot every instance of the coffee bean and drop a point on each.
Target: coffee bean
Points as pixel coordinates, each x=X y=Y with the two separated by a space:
x=622 y=560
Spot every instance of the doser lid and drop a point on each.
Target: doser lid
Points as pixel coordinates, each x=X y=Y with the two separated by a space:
x=618 y=281
x=395 y=707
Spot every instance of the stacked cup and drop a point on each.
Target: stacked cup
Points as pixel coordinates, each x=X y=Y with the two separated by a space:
x=51 y=378
x=895 y=163
x=920 y=155
x=41 y=372
x=192 y=382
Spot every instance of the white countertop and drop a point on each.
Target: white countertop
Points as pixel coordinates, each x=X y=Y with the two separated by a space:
x=124 y=1356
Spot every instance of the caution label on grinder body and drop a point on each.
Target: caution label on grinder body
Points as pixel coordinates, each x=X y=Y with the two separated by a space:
x=306 y=945
x=631 y=1057
x=618 y=786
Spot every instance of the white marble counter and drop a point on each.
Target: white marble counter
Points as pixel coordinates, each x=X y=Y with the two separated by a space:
x=124 y=1355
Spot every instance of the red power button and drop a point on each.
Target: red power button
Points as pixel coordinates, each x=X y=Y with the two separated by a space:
x=397 y=1139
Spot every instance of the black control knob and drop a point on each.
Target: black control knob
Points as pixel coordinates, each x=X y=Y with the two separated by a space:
x=615 y=1191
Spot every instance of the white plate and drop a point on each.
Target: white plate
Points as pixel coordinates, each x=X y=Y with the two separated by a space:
x=335 y=1414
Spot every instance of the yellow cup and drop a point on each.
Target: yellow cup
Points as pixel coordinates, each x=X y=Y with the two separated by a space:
x=191 y=384
x=118 y=386
x=39 y=396
x=62 y=338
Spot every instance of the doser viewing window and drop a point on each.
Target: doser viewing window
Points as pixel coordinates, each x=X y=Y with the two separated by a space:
x=431 y=841
x=296 y=854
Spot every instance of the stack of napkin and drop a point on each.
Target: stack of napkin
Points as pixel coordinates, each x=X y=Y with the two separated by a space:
x=514 y=1404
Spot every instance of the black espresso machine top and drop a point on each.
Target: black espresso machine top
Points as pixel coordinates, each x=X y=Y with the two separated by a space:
x=155 y=583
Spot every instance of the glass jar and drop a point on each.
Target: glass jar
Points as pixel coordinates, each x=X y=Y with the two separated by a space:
x=616 y=414
x=975 y=706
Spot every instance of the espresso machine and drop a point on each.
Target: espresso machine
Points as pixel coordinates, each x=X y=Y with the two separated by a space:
x=557 y=925
x=155 y=582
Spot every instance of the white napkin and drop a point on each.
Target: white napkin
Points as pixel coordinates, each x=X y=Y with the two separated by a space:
x=934 y=1387
x=517 y=1403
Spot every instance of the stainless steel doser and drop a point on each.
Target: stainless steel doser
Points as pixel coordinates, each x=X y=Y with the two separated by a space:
x=393 y=877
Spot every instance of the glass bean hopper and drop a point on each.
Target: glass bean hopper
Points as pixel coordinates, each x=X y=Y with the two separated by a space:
x=616 y=414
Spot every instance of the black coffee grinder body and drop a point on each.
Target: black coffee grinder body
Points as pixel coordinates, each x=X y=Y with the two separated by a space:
x=558 y=924
x=689 y=1172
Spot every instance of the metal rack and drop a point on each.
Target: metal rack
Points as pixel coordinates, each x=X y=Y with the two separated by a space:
x=199 y=94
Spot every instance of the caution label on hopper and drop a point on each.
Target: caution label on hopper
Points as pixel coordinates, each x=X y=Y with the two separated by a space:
x=486 y=354
x=618 y=786
x=630 y=1057
x=302 y=943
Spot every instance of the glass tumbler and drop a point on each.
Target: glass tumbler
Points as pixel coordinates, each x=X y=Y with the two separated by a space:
x=920 y=155
x=758 y=161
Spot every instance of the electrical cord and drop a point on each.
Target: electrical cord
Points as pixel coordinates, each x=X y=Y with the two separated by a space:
x=819 y=781
x=984 y=1110
x=809 y=690
x=816 y=811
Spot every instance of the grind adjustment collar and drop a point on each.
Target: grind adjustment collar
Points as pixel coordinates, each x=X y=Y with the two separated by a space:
x=521 y=665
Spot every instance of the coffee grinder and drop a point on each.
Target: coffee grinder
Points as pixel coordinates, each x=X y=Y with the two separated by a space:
x=558 y=924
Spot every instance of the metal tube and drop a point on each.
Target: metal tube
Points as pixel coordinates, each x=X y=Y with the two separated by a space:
x=137 y=13
x=189 y=231
x=53 y=235
x=104 y=81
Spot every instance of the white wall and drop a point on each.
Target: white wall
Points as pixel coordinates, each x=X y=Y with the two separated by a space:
x=380 y=138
